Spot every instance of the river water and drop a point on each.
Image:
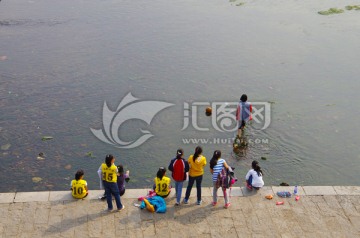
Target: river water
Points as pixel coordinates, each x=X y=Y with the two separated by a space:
x=61 y=60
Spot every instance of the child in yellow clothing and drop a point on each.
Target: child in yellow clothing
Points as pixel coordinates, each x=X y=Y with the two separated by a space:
x=79 y=187
x=197 y=163
x=162 y=185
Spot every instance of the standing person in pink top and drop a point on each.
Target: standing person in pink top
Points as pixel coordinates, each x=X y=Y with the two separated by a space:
x=243 y=113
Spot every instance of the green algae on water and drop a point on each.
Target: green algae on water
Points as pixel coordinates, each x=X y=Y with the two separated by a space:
x=331 y=11
x=240 y=4
x=353 y=7
x=90 y=154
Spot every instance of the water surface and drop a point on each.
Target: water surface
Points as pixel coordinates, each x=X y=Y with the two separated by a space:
x=65 y=58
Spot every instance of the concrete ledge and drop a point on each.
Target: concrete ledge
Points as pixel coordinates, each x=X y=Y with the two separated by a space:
x=319 y=190
x=32 y=197
x=60 y=196
x=7 y=197
x=347 y=190
x=206 y=192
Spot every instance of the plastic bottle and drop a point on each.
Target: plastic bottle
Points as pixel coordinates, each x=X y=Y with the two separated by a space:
x=279 y=203
x=296 y=190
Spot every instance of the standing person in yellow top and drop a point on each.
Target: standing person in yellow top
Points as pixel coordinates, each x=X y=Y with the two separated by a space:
x=162 y=185
x=109 y=177
x=79 y=187
x=197 y=163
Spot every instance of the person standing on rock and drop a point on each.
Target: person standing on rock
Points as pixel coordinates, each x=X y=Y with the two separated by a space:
x=243 y=114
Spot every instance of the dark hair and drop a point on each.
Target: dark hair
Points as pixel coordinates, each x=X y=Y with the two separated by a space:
x=120 y=168
x=198 y=151
x=78 y=174
x=243 y=98
x=256 y=167
x=215 y=158
x=179 y=153
x=161 y=172
x=108 y=160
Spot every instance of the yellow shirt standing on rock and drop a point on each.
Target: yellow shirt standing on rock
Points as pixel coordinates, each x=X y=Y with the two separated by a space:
x=197 y=166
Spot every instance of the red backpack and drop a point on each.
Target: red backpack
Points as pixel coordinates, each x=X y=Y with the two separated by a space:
x=178 y=170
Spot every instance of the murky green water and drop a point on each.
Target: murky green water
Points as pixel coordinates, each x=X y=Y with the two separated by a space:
x=65 y=58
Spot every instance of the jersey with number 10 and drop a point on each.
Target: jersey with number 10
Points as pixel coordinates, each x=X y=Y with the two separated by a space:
x=78 y=188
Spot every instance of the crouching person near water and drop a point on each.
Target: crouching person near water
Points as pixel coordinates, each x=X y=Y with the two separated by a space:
x=162 y=185
x=79 y=187
x=254 y=177
x=122 y=178
x=109 y=177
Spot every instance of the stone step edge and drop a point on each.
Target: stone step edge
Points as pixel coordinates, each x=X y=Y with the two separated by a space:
x=53 y=196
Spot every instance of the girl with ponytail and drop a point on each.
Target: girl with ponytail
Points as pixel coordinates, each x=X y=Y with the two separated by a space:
x=254 y=177
x=197 y=163
x=217 y=165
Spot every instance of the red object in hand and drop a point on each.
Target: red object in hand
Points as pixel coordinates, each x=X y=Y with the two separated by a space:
x=279 y=203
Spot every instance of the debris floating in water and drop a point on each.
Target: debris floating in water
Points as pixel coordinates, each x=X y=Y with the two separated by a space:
x=6 y=146
x=240 y=4
x=331 y=11
x=90 y=154
x=44 y=138
x=263 y=158
x=41 y=156
x=353 y=7
x=284 y=184
x=36 y=179
x=3 y=57
x=68 y=166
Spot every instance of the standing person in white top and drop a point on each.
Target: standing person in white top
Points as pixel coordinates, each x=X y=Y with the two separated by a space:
x=254 y=177
x=217 y=164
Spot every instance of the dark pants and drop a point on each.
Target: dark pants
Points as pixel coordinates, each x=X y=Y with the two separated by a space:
x=250 y=182
x=198 y=180
x=112 y=189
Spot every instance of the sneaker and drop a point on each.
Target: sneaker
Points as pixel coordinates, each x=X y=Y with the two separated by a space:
x=185 y=201
x=177 y=204
x=103 y=198
x=249 y=186
x=199 y=202
x=214 y=203
x=123 y=207
x=227 y=205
